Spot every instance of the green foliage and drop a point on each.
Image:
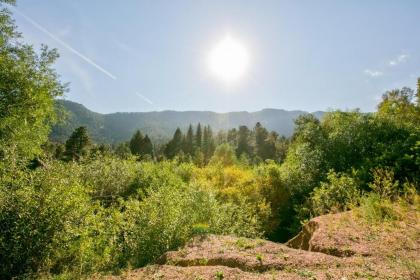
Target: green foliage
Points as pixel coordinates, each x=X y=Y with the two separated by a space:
x=277 y=194
x=109 y=178
x=136 y=143
x=375 y=209
x=49 y=224
x=384 y=183
x=169 y=217
x=175 y=145
x=188 y=146
x=198 y=137
x=242 y=138
x=141 y=146
x=108 y=210
x=77 y=145
x=339 y=193
x=224 y=155
x=28 y=86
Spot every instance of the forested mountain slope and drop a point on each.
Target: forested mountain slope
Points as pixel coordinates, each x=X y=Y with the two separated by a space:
x=117 y=127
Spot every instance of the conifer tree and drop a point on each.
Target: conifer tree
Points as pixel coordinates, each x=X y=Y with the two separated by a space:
x=78 y=143
x=261 y=144
x=146 y=147
x=175 y=145
x=188 y=146
x=208 y=143
x=243 y=139
x=198 y=137
x=136 y=143
x=232 y=136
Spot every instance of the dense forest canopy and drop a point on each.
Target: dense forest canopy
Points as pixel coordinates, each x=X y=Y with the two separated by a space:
x=81 y=207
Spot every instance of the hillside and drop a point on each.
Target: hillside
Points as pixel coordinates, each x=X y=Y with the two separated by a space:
x=117 y=127
x=334 y=246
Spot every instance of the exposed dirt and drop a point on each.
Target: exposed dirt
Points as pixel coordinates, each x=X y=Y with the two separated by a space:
x=337 y=246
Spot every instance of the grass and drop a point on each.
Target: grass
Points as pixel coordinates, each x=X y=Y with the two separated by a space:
x=244 y=244
x=219 y=275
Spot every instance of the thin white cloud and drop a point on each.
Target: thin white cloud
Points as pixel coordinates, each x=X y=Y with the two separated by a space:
x=373 y=73
x=63 y=32
x=399 y=59
x=144 y=98
x=64 y=44
x=83 y=76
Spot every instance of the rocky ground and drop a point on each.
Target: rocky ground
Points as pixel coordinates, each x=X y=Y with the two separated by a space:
x=335 y=246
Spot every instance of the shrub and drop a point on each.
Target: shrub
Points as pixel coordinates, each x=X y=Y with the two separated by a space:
x=375 y=209
x=224 y=155
x=169 y=216
x=384 y=183
x=109 y=177
x=50 y=225
x=339 y=193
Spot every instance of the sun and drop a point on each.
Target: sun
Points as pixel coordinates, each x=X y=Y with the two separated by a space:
x=228 y=60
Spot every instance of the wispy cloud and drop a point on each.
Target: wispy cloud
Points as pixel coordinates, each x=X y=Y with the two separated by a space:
x=144 y=98
x=399 y=59
x=82 y=75
x=64 y=44
x=373 y=73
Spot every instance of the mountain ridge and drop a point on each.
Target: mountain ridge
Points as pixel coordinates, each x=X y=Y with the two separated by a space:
x=160 y=125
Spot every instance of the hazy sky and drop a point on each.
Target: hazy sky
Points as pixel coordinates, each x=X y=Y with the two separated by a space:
x=137 y=55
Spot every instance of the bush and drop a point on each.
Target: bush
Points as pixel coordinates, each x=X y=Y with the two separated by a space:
x=109 y=178
x=50 y=225
x=339 y=193
x=384 y=183
x=375 y=209
x=170 y=216
x=224 y=155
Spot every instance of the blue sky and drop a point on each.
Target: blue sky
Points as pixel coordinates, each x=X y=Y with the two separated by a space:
x=137 y=55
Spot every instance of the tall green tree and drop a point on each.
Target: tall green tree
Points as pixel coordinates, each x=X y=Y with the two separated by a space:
x=189 y=141
x=244 y=146
x=232 y=137
x=175 y=145
x=136 y=143
x=208 y=143
x=28 y=86
x=261 y=145
x=198 y=137
x=146 y=147
x=78 y=143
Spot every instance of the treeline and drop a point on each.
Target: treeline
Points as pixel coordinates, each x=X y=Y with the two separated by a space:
x=253 y=145
x=197 y=145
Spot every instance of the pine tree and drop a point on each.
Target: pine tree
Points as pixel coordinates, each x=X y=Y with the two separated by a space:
x=243 y=139
x=136 y=143
x=232 y=137
x=261 y=146
x=175 y=145
x=146 y=147
x=198 y=137
x=78 y=143
x=188 y=146
x=208 y=143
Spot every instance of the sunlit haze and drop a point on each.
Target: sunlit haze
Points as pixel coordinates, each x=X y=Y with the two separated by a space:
x=229 y=60
x=227 y=55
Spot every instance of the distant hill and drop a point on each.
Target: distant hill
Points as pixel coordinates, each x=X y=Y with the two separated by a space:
x=160 y=126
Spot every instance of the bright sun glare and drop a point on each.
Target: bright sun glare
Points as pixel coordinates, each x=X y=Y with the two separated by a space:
x=228 y=60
